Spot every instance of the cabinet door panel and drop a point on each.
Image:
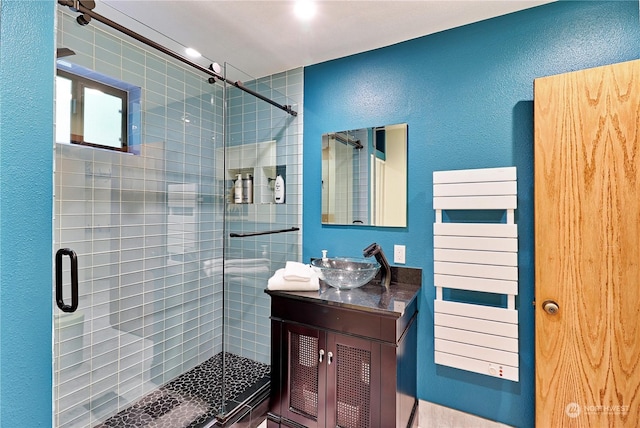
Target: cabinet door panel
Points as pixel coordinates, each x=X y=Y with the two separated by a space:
x=303 y=399
x=353 y=395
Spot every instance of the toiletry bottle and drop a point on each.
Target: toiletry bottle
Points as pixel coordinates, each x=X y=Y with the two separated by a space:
x=279 y=190
x=247 y=189
x=237 y=190
x=325 y=262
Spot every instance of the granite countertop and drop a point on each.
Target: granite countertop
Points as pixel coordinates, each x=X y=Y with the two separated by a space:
x=372 y=297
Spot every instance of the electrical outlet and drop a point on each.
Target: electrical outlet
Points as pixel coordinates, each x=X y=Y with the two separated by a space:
x=399 y=254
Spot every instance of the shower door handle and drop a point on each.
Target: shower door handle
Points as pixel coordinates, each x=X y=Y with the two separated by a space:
x=74 y=280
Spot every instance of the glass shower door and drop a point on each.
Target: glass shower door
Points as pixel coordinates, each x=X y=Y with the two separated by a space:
x=172 y=322
x=262 y=143
x=145 y=225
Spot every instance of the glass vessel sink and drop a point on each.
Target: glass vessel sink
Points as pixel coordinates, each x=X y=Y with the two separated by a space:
x=346 y=273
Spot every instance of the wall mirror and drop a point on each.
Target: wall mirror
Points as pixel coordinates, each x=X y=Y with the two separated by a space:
x=364 y=176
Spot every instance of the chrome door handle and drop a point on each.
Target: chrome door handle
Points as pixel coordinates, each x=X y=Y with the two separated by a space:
x=329 y=357
x=321 y=355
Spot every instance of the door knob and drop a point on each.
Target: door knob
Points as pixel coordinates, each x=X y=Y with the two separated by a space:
x=550 y=307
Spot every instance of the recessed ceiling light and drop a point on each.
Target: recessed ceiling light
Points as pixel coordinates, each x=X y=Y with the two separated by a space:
x=305 y=9
x=193 y=53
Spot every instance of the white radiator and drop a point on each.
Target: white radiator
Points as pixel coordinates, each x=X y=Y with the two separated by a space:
x=481 y=257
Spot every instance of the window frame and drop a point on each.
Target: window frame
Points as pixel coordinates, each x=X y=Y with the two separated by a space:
x=78 y=84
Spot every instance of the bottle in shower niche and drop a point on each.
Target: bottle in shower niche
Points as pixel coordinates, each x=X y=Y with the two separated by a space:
x=237 y=190
x=247 y=189
x=279 y=190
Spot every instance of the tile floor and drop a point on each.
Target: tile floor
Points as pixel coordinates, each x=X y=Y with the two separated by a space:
x=195 y=397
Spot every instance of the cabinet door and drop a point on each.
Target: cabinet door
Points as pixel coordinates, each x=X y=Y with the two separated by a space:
x=303 y=392
x=353 y=382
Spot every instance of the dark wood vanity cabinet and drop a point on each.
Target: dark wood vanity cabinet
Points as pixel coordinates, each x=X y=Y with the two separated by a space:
x=315 y=378
x=342 y=365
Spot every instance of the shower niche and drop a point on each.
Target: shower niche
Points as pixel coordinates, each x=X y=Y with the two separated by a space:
x=257 y=161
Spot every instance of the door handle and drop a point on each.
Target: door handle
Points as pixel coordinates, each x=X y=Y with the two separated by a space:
x=321 y=355
x=550 y=307
x=329 y=357
x=74 y=280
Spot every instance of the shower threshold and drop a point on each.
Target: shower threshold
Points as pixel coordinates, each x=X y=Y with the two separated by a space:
x=195 y=398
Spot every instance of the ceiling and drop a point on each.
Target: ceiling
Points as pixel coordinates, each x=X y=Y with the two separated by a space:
x=265 y=37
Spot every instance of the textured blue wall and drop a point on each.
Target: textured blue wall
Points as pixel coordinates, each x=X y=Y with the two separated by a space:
x=26 y=166
x=467 y=95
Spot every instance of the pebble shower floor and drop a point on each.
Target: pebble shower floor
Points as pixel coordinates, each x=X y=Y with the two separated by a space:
x=194 y=398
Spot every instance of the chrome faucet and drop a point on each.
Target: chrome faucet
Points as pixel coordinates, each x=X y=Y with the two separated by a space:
x=376 y=250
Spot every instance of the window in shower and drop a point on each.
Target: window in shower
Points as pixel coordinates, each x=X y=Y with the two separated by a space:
x=97 y=113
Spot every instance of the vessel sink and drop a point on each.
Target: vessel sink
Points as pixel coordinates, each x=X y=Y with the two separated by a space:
x=346 y=273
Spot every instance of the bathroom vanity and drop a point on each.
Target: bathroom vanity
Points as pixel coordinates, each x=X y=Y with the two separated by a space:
x=345 y=358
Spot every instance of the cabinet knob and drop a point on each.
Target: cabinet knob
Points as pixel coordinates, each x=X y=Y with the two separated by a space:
x=321 y=355
x=329 y=357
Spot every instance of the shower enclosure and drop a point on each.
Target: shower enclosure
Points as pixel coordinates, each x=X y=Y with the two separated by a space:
x=172 y=322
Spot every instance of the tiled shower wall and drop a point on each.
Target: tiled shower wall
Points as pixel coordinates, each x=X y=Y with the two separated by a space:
x=149 y=229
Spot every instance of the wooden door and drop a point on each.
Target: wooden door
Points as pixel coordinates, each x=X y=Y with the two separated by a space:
x=587 y=240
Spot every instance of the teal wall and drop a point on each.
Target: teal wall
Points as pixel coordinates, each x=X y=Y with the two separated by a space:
x=467 y=95
x=26 y=167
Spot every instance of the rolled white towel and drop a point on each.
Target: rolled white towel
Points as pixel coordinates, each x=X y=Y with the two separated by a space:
x=296 y=271
x=277 y=282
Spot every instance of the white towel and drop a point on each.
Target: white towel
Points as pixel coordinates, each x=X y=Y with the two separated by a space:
x=296 y=271
x=277 y=282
